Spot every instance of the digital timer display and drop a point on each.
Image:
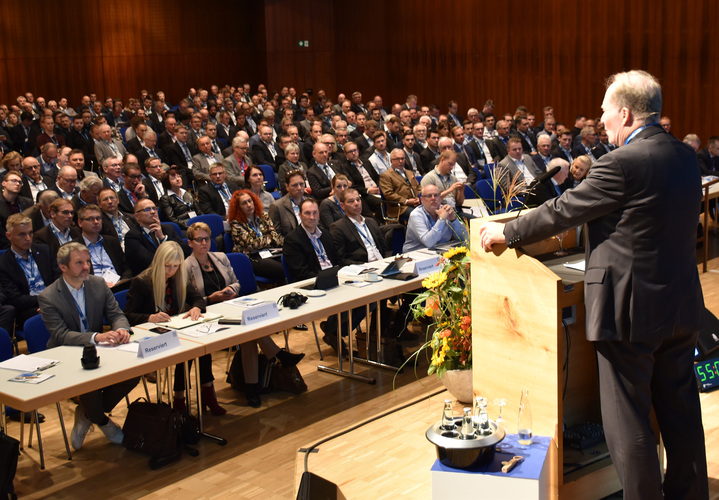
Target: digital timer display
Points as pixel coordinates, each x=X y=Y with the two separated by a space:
x=707 y=373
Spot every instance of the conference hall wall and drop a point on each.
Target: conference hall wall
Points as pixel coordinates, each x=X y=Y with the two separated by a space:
x=530 y=53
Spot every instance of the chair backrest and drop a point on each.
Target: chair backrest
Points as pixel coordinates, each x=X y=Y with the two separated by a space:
x=177 y=228
x=270 y=179
x=36 y=335
x=216 y=223
x=469 y=192
x=229 y=244
x=6 y=351
x=242 y=265
x=121 y=298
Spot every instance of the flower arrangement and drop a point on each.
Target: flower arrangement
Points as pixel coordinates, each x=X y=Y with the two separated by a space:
x=447 y=303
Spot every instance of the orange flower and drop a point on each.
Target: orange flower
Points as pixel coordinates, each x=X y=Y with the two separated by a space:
x=446 y=333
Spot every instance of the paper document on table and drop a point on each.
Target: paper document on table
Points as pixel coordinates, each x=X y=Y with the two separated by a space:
x=201 y=330
x=177 y=323
x=25 y=363
x=129 y=347
x=245 y=302
x=578 y=266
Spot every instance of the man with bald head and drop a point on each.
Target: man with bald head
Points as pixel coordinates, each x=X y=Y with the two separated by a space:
x=205 y=159
x=320 y=174
x=432 y=223
x=66 y=183
x=399 y=186
x=34 y=182
x=107 y=147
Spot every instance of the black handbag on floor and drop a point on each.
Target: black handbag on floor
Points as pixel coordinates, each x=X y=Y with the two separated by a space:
x=9 y=452
x=236 y=376
x=159 y=431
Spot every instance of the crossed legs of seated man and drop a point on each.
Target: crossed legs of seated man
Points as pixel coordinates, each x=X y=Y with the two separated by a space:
x=93 y=409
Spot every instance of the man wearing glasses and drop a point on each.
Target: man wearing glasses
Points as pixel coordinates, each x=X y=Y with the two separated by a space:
x=106 y=255
x=141 y=241
x=67 y=183
x=11 y=202
x=60 y=230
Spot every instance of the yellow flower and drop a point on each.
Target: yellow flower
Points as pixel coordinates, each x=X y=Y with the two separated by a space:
x=428 y=311
x=434 y=280
x=455 y=251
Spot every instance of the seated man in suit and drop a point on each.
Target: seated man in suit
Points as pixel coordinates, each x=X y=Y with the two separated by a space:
x=551 y=188
x=153 y=181
x=149 y=149
x=113 y=173
x=399 y=185
x=364 y=179
x=307 y=250
x=107 y=147
x=708 y=157
x=588 y=140
x=498 y=145
x=238 y=161
x=357 y=239
x=142 y=240
x=40 y=212
x=431 y=152
x=217 y=145
x=34 y=182
x=434 y=223
x=543 y=156
x=114 y=222
x=320 y=174
x=205 y=159
x=285 y=212
x=66 y=183
x=108 y=259
x=214 y=196
x=263 y=151
x=451 y=190
x=73 y=309
x=61 y=229
x=517 y=170
x=11 y=202
x=76 y=159
x=179 y=153
x=461 y=169
x=564 y=148
x=89 y=190
x=330 y=207
x=132 y=189
x=26 y=269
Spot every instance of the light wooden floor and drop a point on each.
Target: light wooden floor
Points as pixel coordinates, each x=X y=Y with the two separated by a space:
x=389 y=458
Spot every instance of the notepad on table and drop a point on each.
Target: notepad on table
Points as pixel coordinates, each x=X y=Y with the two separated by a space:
x=178 y=323
x=25 y=363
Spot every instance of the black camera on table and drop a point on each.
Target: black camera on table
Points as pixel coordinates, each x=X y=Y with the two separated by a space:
x=292 y=300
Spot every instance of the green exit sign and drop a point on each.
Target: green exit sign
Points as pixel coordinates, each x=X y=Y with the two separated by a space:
x=303 y=43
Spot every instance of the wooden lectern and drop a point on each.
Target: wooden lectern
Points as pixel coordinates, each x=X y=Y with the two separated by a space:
x=519 y=342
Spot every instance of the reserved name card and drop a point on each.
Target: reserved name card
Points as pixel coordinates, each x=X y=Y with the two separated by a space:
x=426 y=266
x=156 y=345
x=260 y=313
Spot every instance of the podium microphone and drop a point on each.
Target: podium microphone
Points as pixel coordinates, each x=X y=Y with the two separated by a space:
x=540 y=179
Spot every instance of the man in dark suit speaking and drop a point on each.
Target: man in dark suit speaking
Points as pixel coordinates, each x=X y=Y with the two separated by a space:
x=642 y=292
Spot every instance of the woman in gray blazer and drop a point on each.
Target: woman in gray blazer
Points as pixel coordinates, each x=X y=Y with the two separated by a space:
x=212 y=275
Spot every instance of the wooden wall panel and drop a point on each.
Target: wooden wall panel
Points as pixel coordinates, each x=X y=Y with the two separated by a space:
x=119 y=48
x=528 y=53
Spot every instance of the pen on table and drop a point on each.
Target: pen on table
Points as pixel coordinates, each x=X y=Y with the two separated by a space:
x=49 y=365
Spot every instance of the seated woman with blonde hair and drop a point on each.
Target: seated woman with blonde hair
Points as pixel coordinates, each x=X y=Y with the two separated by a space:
x=164 y=290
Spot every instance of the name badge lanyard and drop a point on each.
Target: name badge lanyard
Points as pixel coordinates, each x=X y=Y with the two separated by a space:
x=28 y=268
x=319 y=249
x=255 y=228
x=338 y=204
x=83 y=318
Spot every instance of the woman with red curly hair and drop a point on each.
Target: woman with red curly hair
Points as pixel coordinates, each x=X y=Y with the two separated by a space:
x=253 y=233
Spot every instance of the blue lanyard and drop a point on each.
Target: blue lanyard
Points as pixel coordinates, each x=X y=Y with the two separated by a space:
x=221 y=189
x=28 y=268
x=188 y=205
x=83 y=318
x=381 y=159
x=149 y=238
x=338 y=204
x=401 y=174
x=60 y=237
x=429 y=218
x=118 y=226
x=361 y=231
x=99 y=255
x=255 y=228
x=631 y=136
x=319 y=250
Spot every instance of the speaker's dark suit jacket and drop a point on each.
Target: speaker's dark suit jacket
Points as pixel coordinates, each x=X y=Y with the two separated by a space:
x=14 y=283
x=349 y=244
x=300 y=256
x=643 y=299
x=142 y=249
